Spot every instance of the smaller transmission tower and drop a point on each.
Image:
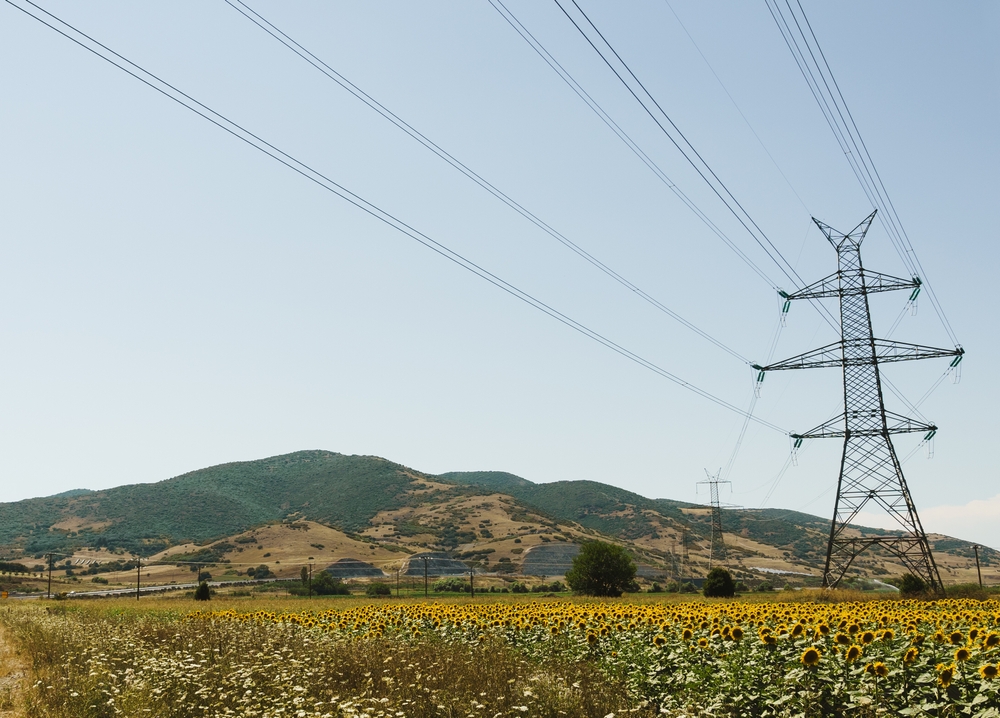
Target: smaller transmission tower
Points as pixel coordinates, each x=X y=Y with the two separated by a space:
x=718 y=545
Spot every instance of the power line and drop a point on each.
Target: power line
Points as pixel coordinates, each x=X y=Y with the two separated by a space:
x=812 y=63
x=282 y=37
x=239 y=132
x=738 y=109
x=700 y=166
x=578 y=89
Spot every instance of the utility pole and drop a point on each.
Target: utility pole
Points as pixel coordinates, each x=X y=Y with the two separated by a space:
x=310 y=580
x=48 y=593
x=979 y=573
x=718 y=545
x=397 y=583
x=138 y=576
x=426 y=559
x=870 y=472
x=472 y=586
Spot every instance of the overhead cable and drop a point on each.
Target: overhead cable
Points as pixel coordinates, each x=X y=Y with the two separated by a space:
x=406 y=127
x=689 y=152
x=578 y=89
x=122 y=63
x=802 y=42
x=733 y=101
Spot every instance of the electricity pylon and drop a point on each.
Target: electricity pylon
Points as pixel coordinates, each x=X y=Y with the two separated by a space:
x=870 y=472
x=718 y=545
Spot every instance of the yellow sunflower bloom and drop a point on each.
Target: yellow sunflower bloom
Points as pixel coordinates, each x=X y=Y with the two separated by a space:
x=810 y=656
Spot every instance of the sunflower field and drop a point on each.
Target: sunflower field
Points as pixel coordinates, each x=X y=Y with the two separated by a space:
x=547 y=658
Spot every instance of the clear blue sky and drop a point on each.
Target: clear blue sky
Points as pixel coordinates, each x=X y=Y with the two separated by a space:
x=171 y=299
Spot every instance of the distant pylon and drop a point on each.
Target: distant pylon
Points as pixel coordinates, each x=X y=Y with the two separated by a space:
x=870 y=471
x=718 y=544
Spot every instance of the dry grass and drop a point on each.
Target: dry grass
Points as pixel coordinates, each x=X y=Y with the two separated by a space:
x=13 y=673
x=116 y=658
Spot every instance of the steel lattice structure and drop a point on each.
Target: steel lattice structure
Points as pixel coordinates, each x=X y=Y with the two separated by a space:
x=870 y=472
x=718 y=552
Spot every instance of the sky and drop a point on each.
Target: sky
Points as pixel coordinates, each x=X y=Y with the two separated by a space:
x=171 y=298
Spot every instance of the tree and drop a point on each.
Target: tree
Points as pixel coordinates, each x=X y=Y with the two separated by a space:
x=910 y=585
x=719 y=584
x=378 y=589
x=602 y=569
x=203 y=592
x=324 y=584
x=261 y=571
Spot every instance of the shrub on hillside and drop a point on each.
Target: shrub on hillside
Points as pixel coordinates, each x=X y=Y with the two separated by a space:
x=203 y=592
x=378 y=589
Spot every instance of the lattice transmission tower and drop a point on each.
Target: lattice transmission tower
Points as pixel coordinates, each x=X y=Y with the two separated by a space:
x=718 y=544
x=870 y=472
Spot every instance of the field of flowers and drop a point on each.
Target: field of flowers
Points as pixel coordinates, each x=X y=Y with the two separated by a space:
x=540 y=658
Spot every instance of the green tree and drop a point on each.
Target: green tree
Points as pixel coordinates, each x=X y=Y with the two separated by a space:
x=261 y=571
x=378 y=589
x=719 y=584
x=910 y=585
x=323 y=584
x=203 y=592
x=602 y=569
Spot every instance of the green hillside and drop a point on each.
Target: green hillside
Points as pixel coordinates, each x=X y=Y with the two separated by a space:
x=334 y=489
x=347 y=492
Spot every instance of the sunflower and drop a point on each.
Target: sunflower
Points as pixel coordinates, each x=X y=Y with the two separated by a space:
x=688 y=634
x=911 y=655
x=888 y=635
x=867 y=637
x=992 y=640
x=591 y=638
x=659 y=640
x=945 y=674
x=810 y=656
x=956 y=638
x=842 y=639
x=703 y=642
x=736 y=633
x=963 y=654
x=797 y=630
x=854 y=653
x=880 y=669
x=989 y=671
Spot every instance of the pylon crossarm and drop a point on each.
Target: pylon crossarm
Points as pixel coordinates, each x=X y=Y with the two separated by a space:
x=858 y=353
x=892 y=351
x=871 y=282
x=895 y=424
x=828 y=356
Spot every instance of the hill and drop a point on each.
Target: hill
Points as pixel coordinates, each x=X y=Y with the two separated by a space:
x=342 y=491
x=314 y=506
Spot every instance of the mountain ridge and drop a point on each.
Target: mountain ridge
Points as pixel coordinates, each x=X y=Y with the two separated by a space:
x=381 y=503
